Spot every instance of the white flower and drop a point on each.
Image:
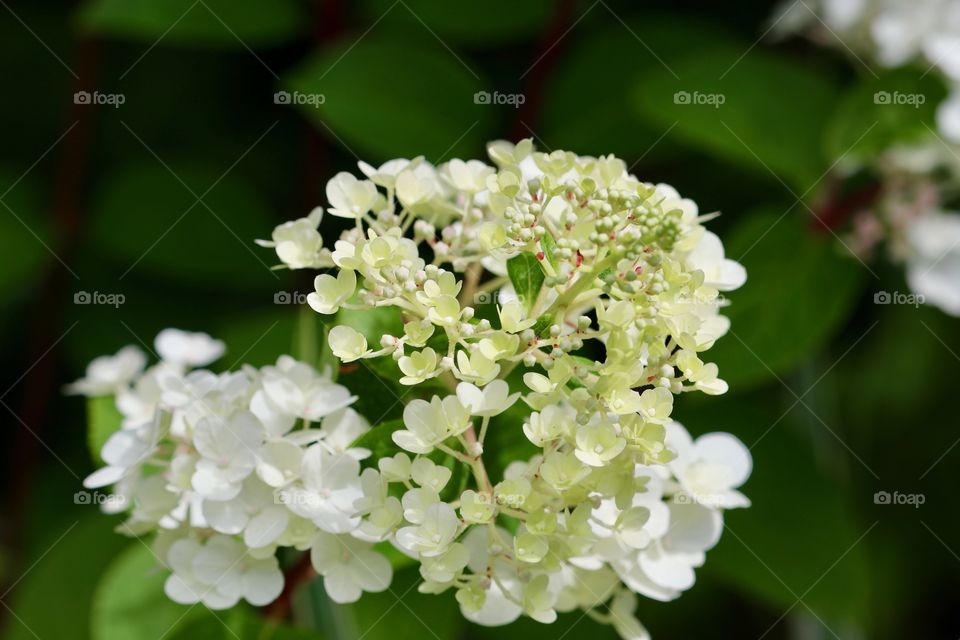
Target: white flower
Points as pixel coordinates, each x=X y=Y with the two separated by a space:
x=470 y=176
x=933 y=266
x=219 y=573
x=187 y=349
x=328 y=487
x=347 y=343
x=110 y=374
x=228 y=447
x=434 y=534
x=349 y=567
x=711 y=468
x=293 y=390
x=491 y=400
x=332 y=292
x=418 y=366
x=349 y=197
x=598 y=443
x=386 y=174
x=430 y=423
x=123 y=451
x=719 y=272
x=254 y=513
x=298 y=243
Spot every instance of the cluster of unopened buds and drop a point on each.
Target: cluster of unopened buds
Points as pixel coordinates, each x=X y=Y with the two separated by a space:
x=608 y=295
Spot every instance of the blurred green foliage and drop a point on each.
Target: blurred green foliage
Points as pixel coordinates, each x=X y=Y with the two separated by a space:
x=160 y=199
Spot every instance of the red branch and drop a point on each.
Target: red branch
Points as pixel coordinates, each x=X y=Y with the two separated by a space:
x=298 y=574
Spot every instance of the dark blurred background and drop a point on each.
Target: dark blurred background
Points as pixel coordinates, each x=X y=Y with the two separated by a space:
x=145 y=146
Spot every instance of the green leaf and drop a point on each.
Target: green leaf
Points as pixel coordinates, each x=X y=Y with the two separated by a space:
x=214 y=23
x=573 y=118
x=527 y=277
x=732 y=106
x=801 y=531
x=550 y=250
x=258 y=337
x=800 y=288
x=54 y=597
x=379 y=616
x=130 y=603
x=379 y=439
x=177 y=238
x=484 y=24
x=877 y=114
x=391 y=97
x=103 y=419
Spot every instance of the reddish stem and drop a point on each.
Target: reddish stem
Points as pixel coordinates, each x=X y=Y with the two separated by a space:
x=297 y=575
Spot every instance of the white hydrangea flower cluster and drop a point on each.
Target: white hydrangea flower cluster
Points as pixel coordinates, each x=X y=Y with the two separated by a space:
x=921 y=232
x=229 y=467
x=893 y=33
x=618 y=499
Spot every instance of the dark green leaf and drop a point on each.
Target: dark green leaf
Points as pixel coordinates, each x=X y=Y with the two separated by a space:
x=388 y=98
x=732 y=105
x=214 y=23
x=527 y=277
x=23 y=234
x=800 y=288
x=379 y=439
x=485 y=24
x=176 y=237
x=897 y=108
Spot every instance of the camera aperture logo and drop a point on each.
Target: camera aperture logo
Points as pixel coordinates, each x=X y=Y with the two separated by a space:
x=699 y=98
x=297 y=97
x=99 y=298
x=897 y=498
x=97 y=98
x=512 y=99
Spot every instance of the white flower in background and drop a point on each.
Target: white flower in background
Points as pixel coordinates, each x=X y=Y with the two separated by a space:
x=254 y=514
x=110 y=374
x=933 y=264
x=187 y=349
x=349 y=567
x=228 y=449
x=328 y=488
x=298 y=243
x=349 y=197
x=123 y=451
x=294 y=390
x=710 y=468
x=220 y=572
